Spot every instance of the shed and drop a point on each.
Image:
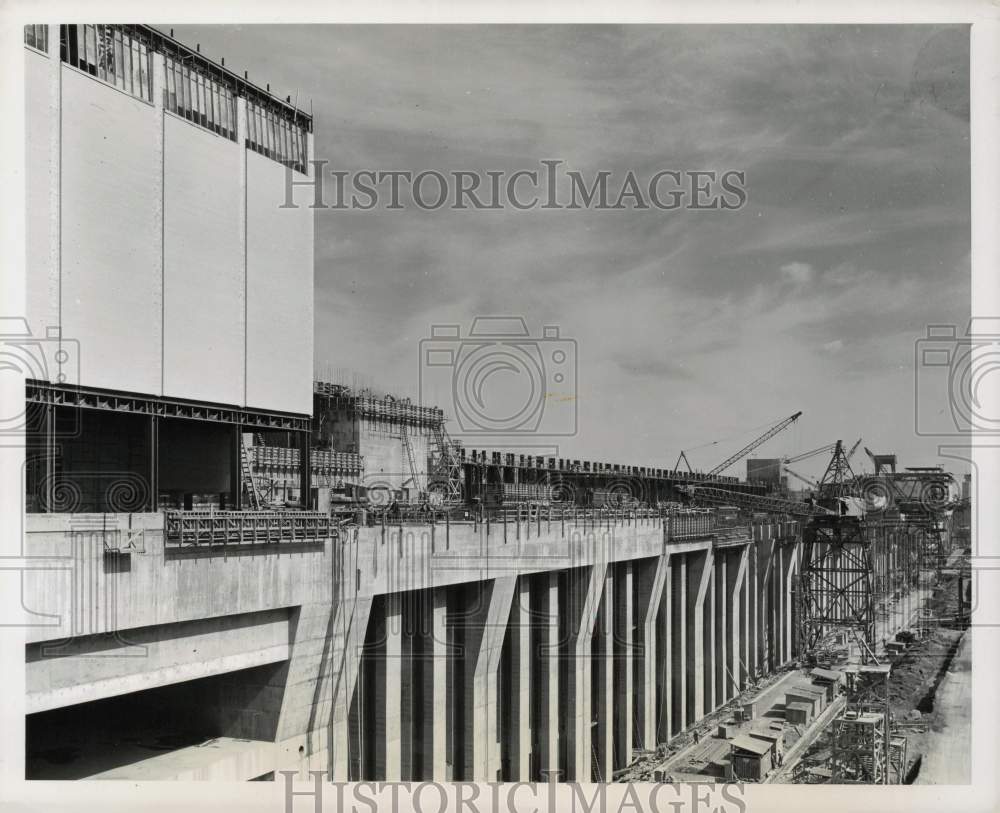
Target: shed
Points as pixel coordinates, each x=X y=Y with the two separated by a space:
x=751 y=759
x=728 y=729
x=770 y=735
x=828 y=680
x=798 y=713
x=815 y=700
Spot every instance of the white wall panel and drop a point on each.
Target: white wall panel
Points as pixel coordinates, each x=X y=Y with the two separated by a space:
x=42 y=290
x=203 y=281
x=279 y=290
x=111 y=205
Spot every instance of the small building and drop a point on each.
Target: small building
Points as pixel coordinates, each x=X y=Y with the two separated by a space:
x=828 y=680
x=815 y=699
x=750 y=710
x=798 y=713
x=751 y=759
x=771 y=734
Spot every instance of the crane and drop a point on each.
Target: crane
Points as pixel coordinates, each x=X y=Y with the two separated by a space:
x=770 y=433
x=811 y=483
x=806 y=455
x=854 y=448
x=707 y=495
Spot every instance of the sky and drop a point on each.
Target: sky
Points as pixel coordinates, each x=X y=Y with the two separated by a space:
x=693 y=330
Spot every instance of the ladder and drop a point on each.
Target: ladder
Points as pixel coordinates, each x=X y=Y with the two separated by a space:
x=411 y=461
x=249 y=484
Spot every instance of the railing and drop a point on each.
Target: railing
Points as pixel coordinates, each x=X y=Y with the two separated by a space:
x=684 y=523
x=198 y=529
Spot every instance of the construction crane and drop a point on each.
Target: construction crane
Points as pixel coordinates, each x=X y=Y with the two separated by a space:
x=770 y=433
x=854 y=448
x=806 y=455
x=811 y=483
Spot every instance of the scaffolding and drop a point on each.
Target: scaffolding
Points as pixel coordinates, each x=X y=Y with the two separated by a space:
x=865 y=750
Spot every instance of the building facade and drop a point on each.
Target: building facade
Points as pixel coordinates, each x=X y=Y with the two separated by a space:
x=170 y=289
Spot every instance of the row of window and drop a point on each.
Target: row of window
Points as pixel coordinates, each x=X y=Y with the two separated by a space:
x=113 y=53
x=121 y=55
x=200 y=98
x=37 y=36
x=276 y=137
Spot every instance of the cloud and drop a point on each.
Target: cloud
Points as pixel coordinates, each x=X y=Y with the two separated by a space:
x=797 y=272
x=855 y=145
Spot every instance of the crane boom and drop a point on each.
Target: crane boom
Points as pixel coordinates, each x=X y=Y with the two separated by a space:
x=770 y=433
x=854 y=448
x=752 y=502
x=806 y=455
x=803 y=478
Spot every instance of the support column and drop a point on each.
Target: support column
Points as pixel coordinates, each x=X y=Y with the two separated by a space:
x=349 y=637
x=389 y=761
x=545 y=669
x=583 y=597
x=603 y=691
x=737 y=627
x=437 y=727
x=699 y=578
x=792 y=569
x=679 y=645
x=765 y=594
x=521 y=677
x=717 y=684
x=484 y=634
x=624 y=659
x=649 y=582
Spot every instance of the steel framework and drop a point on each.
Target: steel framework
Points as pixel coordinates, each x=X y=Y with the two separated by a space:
x=864 y=750
x=836 y=590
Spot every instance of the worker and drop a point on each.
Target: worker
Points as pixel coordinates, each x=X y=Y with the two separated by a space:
x=697 y=737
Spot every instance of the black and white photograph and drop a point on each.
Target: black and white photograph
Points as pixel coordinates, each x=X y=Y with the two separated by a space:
x=435 y=412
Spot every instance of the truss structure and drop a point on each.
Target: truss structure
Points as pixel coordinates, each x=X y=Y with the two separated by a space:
x=836 y=590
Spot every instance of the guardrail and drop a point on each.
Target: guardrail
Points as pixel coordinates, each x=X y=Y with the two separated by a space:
x=198 y=529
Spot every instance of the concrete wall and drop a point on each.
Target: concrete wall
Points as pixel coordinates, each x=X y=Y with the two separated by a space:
x=161 y=247
x=310 y=607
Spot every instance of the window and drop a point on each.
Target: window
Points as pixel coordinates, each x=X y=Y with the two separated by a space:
x=271 y=133
x=200 y=98
x=37 y=36
x=115 y=54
